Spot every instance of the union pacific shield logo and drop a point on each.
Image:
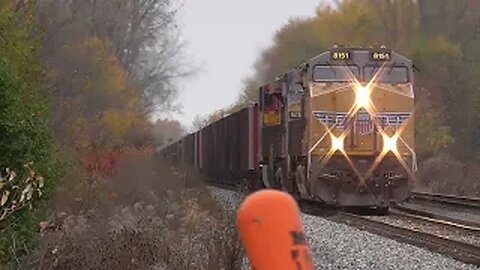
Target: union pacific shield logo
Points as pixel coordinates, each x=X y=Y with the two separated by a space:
x=363 y=124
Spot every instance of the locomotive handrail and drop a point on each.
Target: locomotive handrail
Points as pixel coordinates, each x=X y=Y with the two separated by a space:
x=414 y=162
x=309 y=156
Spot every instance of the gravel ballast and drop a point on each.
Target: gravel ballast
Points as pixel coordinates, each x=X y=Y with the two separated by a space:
x=338 y=246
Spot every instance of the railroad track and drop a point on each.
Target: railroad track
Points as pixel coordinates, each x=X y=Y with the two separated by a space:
x=472 y=203
x=453 y=209
x=441 y=221
x=436 y=216
x=459 y=250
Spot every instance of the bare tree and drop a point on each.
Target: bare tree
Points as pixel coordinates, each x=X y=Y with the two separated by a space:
x=96 y=49
x=166 y=131
x=198 y=123
x=143 y=34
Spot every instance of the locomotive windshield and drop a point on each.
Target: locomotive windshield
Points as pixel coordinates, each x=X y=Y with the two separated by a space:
x=329 y=73
x=396 y=74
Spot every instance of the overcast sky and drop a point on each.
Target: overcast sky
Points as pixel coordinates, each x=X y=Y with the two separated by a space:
x=224 y=37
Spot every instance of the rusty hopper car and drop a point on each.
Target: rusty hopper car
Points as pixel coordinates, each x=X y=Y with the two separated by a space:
x=226 y=151
x=228 y=148
x=337 y=129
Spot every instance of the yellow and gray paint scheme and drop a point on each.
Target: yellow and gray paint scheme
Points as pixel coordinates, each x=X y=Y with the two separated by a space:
x=343 y=132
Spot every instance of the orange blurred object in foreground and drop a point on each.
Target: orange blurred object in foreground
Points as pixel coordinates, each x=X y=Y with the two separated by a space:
x=272 y=232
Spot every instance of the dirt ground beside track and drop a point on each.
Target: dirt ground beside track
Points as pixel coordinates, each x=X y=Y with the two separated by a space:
x=150 y=215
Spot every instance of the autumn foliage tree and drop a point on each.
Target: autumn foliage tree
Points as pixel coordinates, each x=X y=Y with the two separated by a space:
x=87 y=74
x=121 y=65
x=102 y=107
x=440 y=37
x=167 y=131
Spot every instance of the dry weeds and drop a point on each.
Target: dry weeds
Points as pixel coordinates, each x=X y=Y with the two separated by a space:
x=444 y=174
x=146 y=218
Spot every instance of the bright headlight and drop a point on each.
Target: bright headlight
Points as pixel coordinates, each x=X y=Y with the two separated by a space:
x=337 y=143
x=390 y=143
x=362 y=96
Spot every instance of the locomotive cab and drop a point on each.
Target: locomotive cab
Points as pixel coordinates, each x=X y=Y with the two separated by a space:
x=339 y=128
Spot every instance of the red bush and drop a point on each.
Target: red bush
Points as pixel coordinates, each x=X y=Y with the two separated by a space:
x=106 y=163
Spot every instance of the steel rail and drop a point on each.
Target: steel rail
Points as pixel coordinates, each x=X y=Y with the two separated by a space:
x=447 y=199
x=458 y=250
x=430 y=215
x=438 y=221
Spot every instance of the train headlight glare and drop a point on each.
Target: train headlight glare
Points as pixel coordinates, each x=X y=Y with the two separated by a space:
x=390 y=143
x=337 y=143
x=362 y=96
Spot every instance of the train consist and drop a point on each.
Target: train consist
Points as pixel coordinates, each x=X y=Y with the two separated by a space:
x=337 y=129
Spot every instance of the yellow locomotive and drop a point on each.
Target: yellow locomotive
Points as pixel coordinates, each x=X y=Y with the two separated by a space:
x=339 y=128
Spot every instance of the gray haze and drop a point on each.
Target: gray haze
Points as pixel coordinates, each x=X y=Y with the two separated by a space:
x=224 y=38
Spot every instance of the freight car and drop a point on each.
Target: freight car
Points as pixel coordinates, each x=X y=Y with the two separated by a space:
x=336 y=129
x=226 y=151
